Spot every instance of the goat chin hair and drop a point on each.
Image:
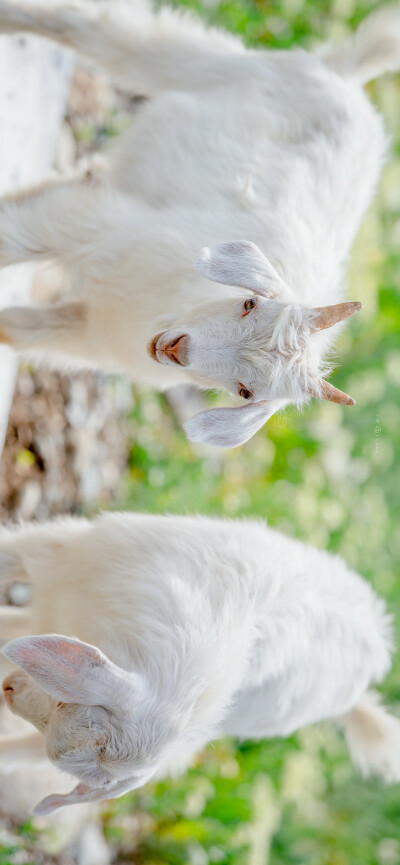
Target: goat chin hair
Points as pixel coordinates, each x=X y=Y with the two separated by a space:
x=373 y=739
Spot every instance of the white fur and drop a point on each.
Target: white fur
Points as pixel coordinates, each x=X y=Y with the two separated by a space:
x=282 y=148
x=191 y=628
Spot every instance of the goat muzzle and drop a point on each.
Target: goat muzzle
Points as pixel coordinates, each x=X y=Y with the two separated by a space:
x=177 y=350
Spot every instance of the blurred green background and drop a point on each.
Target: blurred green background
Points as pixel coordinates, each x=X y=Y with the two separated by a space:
x=331 y=476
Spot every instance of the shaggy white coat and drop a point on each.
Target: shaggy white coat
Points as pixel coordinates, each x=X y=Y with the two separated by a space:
x=282 y=148
x=191 y=628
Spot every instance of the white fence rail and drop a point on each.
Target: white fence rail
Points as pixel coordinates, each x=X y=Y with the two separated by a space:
x=34 y=80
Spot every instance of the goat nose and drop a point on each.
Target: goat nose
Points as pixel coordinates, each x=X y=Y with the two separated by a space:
x=8 y=689
x=177 y=350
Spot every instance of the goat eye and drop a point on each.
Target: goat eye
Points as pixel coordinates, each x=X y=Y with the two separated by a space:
x=243 y=392
x=249 y=305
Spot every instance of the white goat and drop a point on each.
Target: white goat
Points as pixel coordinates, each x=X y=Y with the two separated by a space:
x=192 y=628
x=280 y=147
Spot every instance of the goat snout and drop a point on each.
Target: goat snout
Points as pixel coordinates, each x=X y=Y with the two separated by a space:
x=8 y=691
x=152 y=346
x=177 y=350
x=11 y=685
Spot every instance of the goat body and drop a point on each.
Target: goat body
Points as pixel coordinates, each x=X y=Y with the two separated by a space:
x=191 y=628
x=282 y=148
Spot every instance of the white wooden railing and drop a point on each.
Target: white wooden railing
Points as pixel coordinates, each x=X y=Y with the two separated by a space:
x=34 y=81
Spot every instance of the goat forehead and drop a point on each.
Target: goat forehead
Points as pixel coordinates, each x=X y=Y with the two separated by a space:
x=98 y=768
x=272 y=325
x=75 y=734
x=247 y=361
x=68 y=729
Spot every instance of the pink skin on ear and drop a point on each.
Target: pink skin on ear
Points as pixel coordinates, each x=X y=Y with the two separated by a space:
x=73 y=671
x=67 y=669
x=50 y=804
x=82 y=793
x=241 y=263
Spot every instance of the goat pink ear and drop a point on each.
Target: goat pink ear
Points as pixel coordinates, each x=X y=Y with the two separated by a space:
x=70 y=670
x=50 y=804
x=241 y=263
x=231 y=427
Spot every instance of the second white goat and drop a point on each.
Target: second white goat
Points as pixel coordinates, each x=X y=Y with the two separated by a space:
x=161 y=633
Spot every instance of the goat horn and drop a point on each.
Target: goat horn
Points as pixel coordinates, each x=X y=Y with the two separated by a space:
x=326 y=316
x=327 y=390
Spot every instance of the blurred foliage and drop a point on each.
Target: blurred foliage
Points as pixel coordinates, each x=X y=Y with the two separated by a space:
x=331 y=476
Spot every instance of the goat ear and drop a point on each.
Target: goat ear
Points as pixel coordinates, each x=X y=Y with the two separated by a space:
x=82 y=793
x=241 y=263
x=72 y=671
x=231 y=427
x=50 y=804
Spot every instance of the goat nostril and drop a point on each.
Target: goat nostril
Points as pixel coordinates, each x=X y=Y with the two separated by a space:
x=8 y=689
x=9 y=686
x=177 y=349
